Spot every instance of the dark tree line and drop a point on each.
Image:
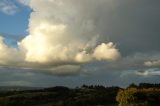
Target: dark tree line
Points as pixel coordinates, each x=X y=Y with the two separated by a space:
x=144 y=85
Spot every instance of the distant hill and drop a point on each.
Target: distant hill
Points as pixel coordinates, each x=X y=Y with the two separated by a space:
x=17 y=88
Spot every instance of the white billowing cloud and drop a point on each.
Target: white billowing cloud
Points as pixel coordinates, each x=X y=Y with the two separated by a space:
x=83 y=57
x=59 y=35
x=8 y=55
x=152 y=63
x=8 y=7
x=106 y=52
x=40 y=46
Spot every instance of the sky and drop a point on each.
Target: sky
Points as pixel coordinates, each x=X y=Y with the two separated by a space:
x=46 y=43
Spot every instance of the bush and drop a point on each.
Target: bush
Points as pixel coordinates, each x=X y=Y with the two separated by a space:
x=139 y=97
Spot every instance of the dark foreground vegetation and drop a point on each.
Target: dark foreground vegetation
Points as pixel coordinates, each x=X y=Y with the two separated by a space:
x=142 y=95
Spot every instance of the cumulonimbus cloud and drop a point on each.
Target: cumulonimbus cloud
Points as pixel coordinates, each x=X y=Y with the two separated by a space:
x=60 y=34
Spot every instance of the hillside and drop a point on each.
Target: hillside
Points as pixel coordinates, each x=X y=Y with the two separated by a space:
x=61 y=96
x=135 y=95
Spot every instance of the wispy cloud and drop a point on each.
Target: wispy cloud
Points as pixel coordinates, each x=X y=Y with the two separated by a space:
x=24 y=2
x=8 y=7
x=144 y=72
x=149 y=72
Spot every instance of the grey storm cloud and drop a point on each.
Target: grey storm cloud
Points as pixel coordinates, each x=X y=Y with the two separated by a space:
x=132 y=24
